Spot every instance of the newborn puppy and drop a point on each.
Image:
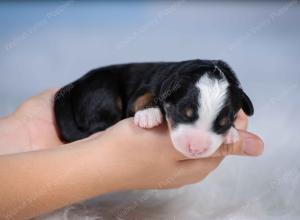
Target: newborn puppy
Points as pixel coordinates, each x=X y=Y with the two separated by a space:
x=198 y=98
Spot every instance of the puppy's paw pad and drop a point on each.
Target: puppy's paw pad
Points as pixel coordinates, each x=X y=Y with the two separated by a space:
x=232 y=136
x=148 y=118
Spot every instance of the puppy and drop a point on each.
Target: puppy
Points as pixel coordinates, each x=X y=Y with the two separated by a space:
x=198 y=98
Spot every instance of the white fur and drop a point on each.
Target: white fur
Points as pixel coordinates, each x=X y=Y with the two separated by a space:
x=148 y=118
x=180 y=137
x=212 y=95
x=211 y=99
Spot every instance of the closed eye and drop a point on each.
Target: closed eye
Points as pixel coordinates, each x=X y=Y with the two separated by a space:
x=224 y=122
x=189 y=112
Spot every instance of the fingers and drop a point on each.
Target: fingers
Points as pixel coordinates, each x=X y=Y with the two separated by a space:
x=248 y=145
x=48 y=92
x=201 y=165
x=196 y=170
x=241 y=121
x=46 y=95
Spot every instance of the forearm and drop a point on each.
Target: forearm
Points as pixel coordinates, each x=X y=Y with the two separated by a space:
x=37 y=182
x=14 y=136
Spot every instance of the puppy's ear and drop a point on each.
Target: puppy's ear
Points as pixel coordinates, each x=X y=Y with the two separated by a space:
x=247 y=105
x=227 y=71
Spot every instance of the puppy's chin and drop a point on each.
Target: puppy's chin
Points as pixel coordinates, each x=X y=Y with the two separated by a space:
x=184 y=150
x=179 y=140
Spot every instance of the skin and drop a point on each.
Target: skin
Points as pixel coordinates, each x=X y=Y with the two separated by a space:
x=39 y=173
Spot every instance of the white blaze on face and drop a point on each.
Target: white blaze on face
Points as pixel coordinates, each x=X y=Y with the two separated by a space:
x=198 y=140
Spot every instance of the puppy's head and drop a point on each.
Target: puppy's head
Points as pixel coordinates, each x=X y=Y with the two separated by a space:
x=201 y=102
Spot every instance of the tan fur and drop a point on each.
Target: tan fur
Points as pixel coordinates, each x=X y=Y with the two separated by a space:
x=142 y=101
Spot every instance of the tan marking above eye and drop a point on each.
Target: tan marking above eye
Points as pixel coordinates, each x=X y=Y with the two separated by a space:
x=189 y=112
x=142 y=101
x=224 y=121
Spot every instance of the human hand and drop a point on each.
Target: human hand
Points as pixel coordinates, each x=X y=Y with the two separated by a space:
x=146 y=159
x=31 y=126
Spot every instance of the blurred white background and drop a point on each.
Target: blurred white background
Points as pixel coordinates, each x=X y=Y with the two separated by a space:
x=52 y=43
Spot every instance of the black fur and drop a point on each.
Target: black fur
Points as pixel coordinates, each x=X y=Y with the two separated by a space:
x=90 y=104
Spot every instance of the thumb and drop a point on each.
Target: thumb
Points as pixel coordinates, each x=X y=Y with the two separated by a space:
x=248 y=145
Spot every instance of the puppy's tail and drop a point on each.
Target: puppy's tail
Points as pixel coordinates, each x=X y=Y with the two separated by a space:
x=63 y=110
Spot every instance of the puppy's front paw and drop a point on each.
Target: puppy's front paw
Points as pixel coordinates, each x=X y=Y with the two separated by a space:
x=148 y=118
x=232 y=136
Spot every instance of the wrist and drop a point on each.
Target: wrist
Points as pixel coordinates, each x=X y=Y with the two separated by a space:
x=116 y=158
x=14 y=136
x=101 y=159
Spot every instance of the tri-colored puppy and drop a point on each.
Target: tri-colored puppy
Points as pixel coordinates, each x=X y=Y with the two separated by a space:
x=198 y=98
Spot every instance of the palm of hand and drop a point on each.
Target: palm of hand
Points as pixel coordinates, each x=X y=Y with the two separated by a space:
x=37 y=120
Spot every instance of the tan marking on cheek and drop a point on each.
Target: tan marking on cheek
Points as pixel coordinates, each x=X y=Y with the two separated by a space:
x=224 y=121
x=142 y=101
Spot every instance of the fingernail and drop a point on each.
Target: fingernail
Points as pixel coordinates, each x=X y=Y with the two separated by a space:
x=252 y=146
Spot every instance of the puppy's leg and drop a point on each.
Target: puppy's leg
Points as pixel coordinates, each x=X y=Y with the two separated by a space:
x=148 y=118
x=232 y=136
x=146 y=115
